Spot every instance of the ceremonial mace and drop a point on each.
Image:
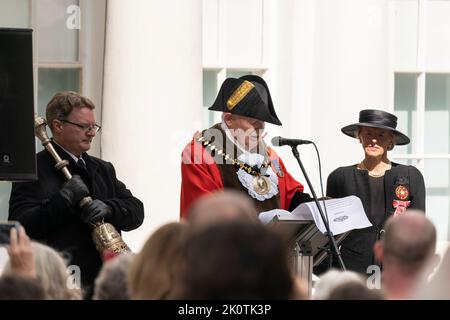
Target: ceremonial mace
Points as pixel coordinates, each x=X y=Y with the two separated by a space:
x=104 y=235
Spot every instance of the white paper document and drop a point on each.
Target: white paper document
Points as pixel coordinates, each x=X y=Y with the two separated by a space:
x=344 y=214
x=267 y=216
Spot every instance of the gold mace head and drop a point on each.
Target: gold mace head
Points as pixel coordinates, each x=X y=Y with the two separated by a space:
x=40 y=128
x=106 y=237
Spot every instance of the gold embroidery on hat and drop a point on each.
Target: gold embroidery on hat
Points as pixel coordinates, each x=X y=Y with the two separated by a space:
x=239 y=94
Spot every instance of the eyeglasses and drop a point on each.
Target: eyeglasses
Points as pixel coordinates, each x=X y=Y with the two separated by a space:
x=85 y=127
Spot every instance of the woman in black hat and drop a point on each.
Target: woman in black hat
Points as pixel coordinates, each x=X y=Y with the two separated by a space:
x=384 y=187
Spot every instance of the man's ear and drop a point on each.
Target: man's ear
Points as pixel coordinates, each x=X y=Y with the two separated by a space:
x=228 y=118
x=56 y=126
x=378 y=251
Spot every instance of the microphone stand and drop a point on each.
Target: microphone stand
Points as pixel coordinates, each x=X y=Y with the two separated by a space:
x=322 y=216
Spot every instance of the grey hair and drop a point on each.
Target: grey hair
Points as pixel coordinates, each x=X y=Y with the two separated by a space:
x=52 y=273
x=332 y=279
x=112 y=281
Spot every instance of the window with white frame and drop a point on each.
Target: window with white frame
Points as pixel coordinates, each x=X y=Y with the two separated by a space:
x=58 y=63
x=234 y=44
x=421 y=96
x=61 y=60
x=427 y=122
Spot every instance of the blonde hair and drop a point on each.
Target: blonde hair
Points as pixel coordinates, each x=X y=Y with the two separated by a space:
x=157 y=270
x=51 y=271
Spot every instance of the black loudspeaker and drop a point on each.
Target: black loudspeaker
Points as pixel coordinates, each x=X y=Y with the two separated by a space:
x=17 y=141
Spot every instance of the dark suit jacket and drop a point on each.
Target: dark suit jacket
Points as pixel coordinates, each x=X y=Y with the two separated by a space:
x=46 y=218
x=357 y=248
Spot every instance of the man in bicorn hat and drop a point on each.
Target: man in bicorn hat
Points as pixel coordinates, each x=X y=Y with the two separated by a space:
x=233 y=155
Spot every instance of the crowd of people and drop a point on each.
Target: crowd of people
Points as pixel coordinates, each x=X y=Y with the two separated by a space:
x=219 y=249
x=230 y=256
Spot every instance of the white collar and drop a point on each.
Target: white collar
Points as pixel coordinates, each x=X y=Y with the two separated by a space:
x=74 y=157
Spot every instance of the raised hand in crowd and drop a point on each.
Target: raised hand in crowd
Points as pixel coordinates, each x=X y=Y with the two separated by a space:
x=21 y=254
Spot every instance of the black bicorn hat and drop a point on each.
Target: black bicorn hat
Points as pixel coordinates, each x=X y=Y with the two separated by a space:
x=248 y=96
x=377 y=119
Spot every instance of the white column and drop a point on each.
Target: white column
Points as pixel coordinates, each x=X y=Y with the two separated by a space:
x=152 y=100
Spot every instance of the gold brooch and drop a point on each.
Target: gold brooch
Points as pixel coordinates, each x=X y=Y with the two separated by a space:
x=401 y=192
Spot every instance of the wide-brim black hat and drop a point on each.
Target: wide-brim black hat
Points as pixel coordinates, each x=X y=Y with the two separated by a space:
x=377 y=119
x=248 y=96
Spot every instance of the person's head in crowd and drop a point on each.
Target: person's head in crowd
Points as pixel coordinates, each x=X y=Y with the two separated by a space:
x=71 y=119
x=156 y=271
x=408 y=245
x=112 y=281
x=222 y=206
x=332 y=279
x=15 y=287
x=355 y=291
x=52 y=273
x=235 y=260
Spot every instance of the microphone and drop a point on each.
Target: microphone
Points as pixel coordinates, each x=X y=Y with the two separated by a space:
x=280 y=141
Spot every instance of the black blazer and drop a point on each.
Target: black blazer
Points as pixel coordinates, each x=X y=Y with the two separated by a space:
x=357 y=248
x=47 y=219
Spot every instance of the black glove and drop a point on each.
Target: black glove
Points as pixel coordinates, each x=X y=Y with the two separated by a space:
x=95 y=211
x=74 y=190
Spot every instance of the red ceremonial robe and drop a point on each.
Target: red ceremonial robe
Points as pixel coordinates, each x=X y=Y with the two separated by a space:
x=200 y=176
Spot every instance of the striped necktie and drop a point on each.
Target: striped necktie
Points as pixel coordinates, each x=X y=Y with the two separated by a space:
x=81 y=164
